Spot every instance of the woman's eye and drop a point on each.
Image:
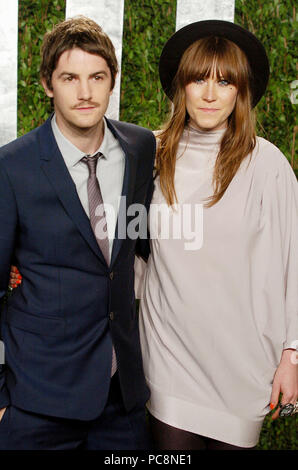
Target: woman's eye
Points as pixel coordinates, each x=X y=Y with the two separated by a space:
x=223 y=82
x=199 y=80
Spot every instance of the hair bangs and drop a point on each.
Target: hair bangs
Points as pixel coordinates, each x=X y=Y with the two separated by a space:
x=214 y=57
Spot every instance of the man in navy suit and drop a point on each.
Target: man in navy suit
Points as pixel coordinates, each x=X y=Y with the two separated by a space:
x=73 y=376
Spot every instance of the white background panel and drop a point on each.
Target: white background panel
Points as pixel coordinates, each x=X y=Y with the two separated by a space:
x=8 y=70
x=189 y=11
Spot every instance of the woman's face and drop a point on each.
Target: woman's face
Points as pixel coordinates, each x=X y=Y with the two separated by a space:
x=209 y=103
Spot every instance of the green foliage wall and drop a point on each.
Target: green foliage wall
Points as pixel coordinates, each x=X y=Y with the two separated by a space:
x=147 y=26
x=274 y=22
x=35 y=19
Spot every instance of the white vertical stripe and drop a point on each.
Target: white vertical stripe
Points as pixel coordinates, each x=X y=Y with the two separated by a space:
x=189 y=11
x=109 y=15
x=8 y=70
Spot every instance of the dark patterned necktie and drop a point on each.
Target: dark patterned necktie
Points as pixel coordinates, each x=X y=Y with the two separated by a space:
x=98 y=219
x=96 y=207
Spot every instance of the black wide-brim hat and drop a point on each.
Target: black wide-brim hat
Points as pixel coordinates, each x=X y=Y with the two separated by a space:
x=248 y=43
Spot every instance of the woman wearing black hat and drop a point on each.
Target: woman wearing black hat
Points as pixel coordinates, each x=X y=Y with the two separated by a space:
x=219 y=313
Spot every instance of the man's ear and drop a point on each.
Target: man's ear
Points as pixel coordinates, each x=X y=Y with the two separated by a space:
x=112 y=89
x=47 y=90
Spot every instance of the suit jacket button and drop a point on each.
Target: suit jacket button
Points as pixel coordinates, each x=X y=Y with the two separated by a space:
x=111 y=315
x=111 y=275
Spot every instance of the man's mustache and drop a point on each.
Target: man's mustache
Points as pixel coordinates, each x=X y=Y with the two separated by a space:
x=86 y=105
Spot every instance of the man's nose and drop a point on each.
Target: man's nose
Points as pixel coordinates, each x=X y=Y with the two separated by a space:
x=84 y=90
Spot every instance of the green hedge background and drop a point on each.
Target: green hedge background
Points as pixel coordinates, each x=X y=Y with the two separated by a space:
x=147 y=26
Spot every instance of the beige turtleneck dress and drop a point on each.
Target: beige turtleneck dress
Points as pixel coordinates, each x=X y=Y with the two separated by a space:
x=218 y=308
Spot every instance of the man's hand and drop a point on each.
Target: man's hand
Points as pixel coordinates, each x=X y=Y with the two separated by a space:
x=2 y=411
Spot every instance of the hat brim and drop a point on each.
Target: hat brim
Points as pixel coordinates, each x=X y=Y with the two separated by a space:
x=248 y=43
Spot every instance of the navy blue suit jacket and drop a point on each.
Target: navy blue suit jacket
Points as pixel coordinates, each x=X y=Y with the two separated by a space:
x=58 y=326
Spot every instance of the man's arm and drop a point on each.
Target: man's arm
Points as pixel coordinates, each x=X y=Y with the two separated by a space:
x=143 y=245
x=8 y=223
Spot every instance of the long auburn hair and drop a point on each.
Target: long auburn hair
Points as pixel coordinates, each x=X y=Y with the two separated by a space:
x=200 y=60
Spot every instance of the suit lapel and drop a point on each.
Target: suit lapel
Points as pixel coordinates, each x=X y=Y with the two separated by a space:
x=53 y=165
x=127 y=187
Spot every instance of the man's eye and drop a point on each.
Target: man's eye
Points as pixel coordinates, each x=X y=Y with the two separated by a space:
x=98 y=77
x=69 y=79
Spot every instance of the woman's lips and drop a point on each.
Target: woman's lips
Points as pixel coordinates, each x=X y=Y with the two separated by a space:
x=208 y=110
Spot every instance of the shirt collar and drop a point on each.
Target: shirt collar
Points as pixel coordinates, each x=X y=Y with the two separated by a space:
x=71 y=154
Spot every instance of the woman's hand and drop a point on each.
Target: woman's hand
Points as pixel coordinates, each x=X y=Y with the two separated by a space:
x=285 y=381
x=15 y=277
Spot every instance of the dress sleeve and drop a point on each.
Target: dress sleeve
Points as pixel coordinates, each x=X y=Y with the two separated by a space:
x=280 y=212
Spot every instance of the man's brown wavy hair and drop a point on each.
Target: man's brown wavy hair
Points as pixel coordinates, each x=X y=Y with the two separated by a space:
x=207 y=57
x=79 y=32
